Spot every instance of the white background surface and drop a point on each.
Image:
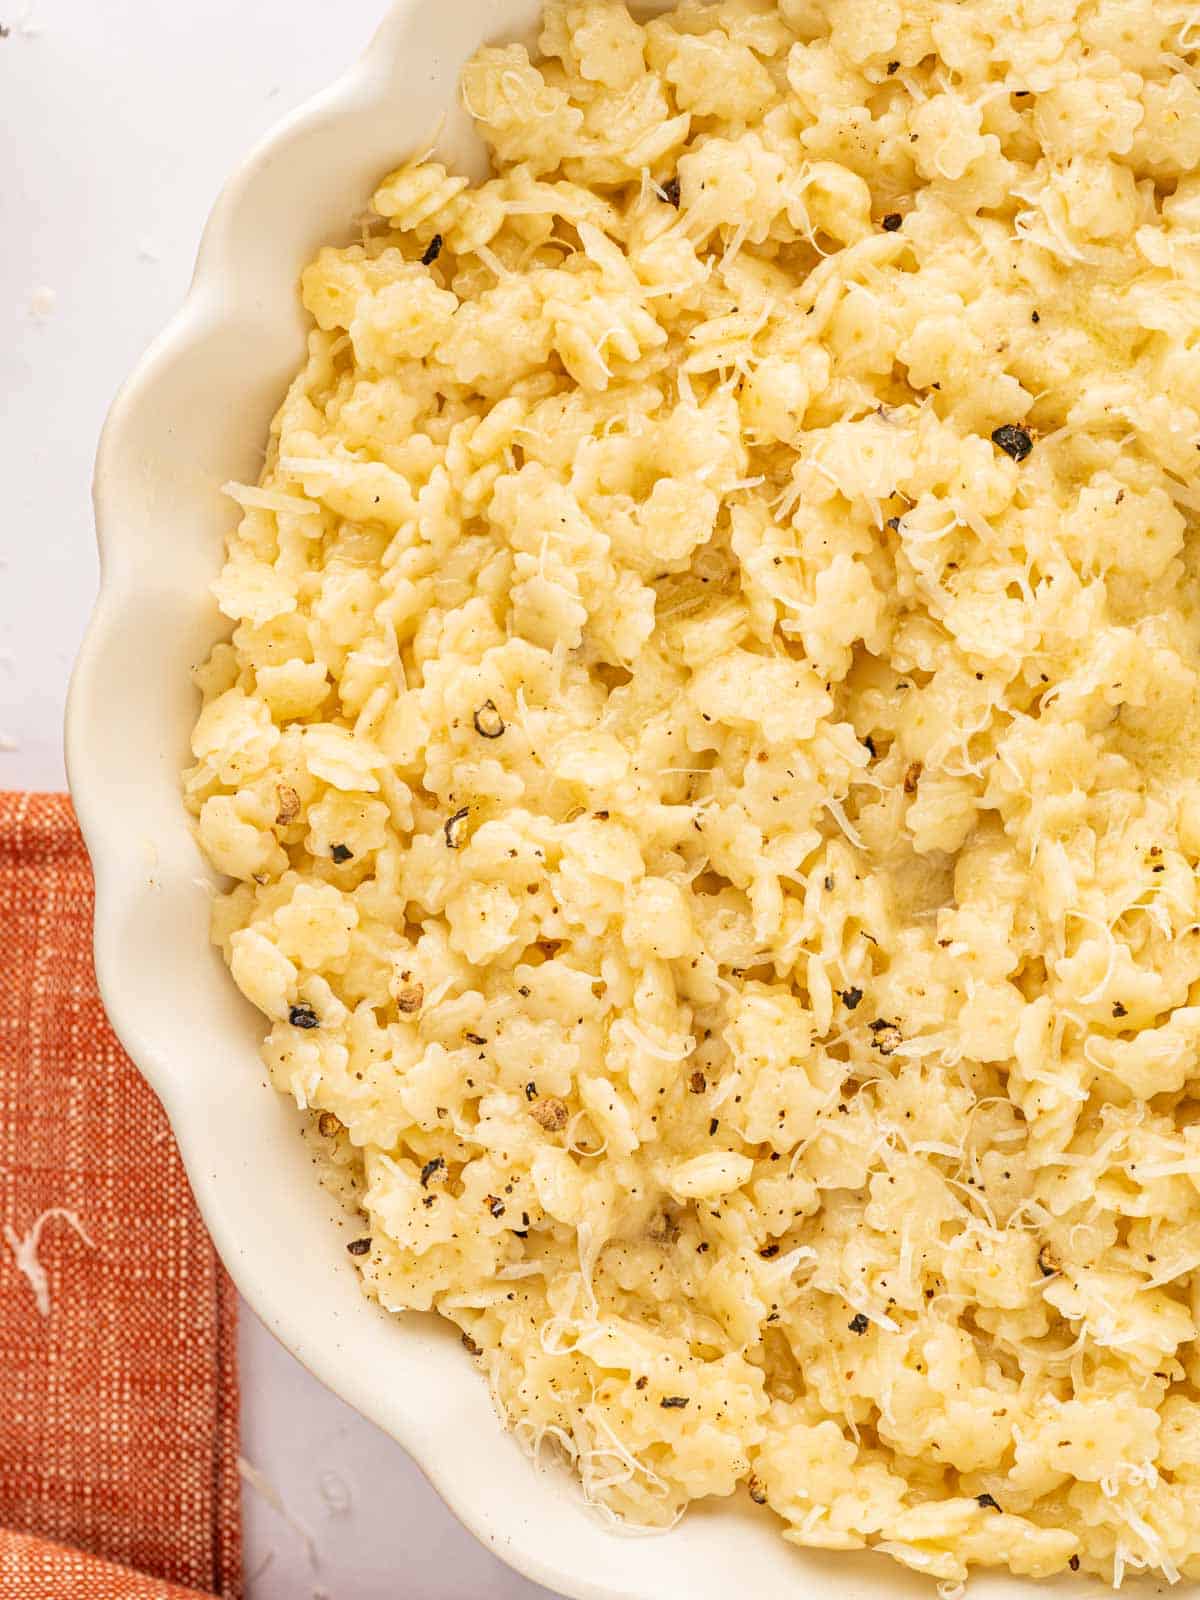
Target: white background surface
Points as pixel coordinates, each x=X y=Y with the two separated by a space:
x=119 y=120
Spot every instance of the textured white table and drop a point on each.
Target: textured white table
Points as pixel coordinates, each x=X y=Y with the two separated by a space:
x=118 y=123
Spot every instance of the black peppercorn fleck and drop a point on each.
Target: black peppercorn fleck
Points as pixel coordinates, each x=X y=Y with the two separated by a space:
x=454 y=828
x=359 y=1247
x=892 y=222
x=1014 y=441
x=411 y=999
x=858 y=1323
x=670 y=191
x=489 y=724
x=341 y=853
x=887 y=1037
x=433 y=250
x=673 y=1402
x=303 y=1017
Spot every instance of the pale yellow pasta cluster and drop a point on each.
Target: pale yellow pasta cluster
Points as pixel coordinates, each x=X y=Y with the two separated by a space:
x=710 y=754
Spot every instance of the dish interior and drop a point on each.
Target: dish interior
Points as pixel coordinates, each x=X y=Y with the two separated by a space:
x=190 y=420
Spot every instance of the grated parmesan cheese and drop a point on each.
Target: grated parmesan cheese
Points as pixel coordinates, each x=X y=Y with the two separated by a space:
x=25 y=1246
x=267 y=1491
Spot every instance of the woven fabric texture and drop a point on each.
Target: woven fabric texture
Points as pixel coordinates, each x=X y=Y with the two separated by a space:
x=118 y=1392
x=36 y=1569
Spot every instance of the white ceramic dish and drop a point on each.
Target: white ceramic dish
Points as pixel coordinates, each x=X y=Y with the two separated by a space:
x=194 y=415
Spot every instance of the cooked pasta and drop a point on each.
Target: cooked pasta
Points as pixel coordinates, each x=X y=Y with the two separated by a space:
x=709 y=754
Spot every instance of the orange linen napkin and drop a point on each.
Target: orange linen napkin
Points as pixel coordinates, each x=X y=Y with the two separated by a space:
x=118 y=1368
